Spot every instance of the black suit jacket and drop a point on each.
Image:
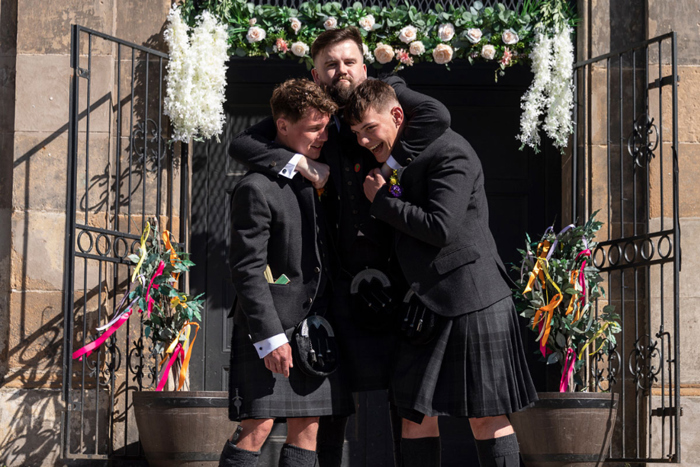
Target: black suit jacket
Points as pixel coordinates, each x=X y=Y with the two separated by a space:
x=275 y=221
x=443 y=241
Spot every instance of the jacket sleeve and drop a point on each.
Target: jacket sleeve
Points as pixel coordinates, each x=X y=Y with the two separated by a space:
x=250 y=233
x=450 y=185
x=426 y=120
x=255 y=148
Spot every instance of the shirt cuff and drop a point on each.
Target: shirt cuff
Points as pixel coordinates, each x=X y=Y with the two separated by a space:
x=391 y=162
x=290 y=170
x=266 y=346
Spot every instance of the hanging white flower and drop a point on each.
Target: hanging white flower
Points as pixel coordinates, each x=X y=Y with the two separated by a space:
x=535 y=99
x=296 y=25
x=367 y=54
x=408 y=34
x=367 y=22
x=442 y=54
x=196 y=78
x=474 y=35
x=488 y=51
x=255 y=34
x=417 y=48
x=446 y=32
x=330 y=23
x=384 y=53
x=557 y=123
x=509 y=37
x=300 y=49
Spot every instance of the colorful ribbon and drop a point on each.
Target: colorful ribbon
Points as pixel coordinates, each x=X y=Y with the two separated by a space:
x=144 y=238
x=173 y=255
x=88 y=349
x=536 y=272
x=164 y=378
x=173 y=348
x=149 y=299
x=568 y=370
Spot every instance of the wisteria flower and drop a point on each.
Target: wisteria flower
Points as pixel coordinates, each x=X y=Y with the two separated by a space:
x=509 y=37
x=330 y=23
x=417 y=48
x=300 y=49
x=442 y=54
x=446 y=32
x=367 y=22
x=474 y=35
x=255 y=34
x=408 y=34
x=384 y=53
x=296 y=25
x=488 y=51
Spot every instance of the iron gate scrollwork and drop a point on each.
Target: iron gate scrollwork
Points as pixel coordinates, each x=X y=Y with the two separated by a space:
x=625 y=166
x=122 y=172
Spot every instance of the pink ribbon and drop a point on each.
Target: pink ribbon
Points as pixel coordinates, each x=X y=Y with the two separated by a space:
x=150 y=300
x=87 y=350
x=164 y=378
x=581 y=277
x=568 y=369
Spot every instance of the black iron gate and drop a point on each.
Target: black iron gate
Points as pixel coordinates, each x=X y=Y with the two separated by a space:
x=122 y=171
x=625 y=165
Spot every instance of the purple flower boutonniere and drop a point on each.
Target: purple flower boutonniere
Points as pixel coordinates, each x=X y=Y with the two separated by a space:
x=394 y=188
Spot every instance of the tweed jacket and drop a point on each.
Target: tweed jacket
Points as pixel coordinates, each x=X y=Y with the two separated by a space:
x=445 y=248
x=278 y=222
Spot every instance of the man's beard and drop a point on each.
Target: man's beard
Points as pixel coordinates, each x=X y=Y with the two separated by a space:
x=339 y=93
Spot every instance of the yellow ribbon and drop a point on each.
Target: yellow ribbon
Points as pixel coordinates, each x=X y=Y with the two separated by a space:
x=536 y=272
x=144 y=238
x=173 y=344
x=592 y=339
x=173 y=255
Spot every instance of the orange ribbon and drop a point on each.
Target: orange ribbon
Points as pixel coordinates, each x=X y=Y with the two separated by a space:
x=173 y=256
x=537 y=271
x=546 y=313
x=175 y=344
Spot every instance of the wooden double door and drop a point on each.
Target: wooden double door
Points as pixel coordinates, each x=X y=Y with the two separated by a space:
x=523 y=189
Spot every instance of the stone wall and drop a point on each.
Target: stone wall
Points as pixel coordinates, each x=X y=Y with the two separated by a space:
x=35 y=74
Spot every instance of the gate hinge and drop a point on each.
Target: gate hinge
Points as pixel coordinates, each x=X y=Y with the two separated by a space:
x=666 y=412
x=84 y=73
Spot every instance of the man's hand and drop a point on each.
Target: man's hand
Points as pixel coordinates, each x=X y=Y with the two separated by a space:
x=373 y=182
x=280 y=360
x=315 y=172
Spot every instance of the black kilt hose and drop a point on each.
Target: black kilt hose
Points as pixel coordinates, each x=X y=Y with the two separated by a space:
x=475 y=367
x=256 y=392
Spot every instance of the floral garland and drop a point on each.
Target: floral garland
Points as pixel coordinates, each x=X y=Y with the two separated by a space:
x=539 y=32
x=196 y=78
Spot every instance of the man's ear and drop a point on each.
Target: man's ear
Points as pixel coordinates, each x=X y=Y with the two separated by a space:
x=397 y=114
x=314 y=74
x=282 y=126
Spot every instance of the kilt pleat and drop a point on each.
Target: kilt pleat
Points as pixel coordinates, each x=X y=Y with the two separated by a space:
x=256 y=392
x=474 y=368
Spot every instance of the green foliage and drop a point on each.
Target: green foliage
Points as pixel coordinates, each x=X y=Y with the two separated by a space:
x=595 y=329
x=171 y=308
x=492 y=21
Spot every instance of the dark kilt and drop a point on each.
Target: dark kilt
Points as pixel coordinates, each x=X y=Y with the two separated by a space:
x=367 y=357
x=474 y=368
x=256 y=392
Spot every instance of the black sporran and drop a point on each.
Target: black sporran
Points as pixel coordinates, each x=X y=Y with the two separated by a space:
x=372 y=299
x=419 y=325
x=314 y=347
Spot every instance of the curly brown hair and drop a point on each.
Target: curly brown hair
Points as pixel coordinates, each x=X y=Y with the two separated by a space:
x=371 y=93
x=292 y=98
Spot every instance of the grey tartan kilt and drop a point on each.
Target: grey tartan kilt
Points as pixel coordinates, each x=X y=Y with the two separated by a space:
x=474 y=368
x=256 y=392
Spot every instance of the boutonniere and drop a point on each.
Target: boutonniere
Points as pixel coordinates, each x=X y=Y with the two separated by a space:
x=320 y=192
x=394 y=188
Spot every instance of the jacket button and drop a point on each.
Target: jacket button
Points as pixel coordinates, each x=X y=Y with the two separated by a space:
x=311 y=300
x=273 y=163
x=317 y=269
x=409 y=160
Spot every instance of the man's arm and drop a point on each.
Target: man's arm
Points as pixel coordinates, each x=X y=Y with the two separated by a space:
x=426 y=120
x=255 y=148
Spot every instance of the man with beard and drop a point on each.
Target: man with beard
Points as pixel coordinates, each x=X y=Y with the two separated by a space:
x=360 y=242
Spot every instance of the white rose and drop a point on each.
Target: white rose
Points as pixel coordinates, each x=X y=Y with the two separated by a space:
x=384 y=53
x=408 y=34
x=296 y=25
x=300 y=49
x=252 y=22
x=446 y=32
x=367 y=23
x=442 y=54
x=330 y=23
x=509 y=37
x=367 y=54
x=417 y=48
x=474 y=35
x=255 y=34
x=488 y=52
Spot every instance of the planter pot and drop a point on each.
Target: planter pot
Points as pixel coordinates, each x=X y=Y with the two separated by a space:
x=571 y=429
x=182 y=428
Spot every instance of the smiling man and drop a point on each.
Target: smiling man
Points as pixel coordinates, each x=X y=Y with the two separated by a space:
x=278 y=223
x=471 y=362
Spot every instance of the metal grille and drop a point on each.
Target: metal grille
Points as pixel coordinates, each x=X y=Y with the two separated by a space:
x=122 y=172
x=625 y=165
x=422 y=5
